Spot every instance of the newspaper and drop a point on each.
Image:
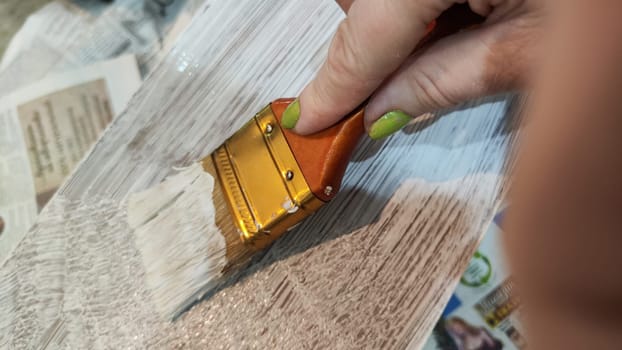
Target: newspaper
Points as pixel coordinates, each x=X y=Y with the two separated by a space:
x=484 y=312
x=52 y=27
x=45 y=130
x=62 y=36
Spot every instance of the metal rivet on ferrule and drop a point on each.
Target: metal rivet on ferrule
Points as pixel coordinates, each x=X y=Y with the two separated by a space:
x=289 y=175
x=268 y=129
x=328 y=190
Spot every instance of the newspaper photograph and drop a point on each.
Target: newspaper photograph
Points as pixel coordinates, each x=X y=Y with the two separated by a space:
x=484 y=311
x=45 y=130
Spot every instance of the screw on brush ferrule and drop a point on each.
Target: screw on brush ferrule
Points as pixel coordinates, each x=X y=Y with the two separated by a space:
x=258 y=173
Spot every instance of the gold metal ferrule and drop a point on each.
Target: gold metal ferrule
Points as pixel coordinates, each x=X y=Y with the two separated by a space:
x=262 y=182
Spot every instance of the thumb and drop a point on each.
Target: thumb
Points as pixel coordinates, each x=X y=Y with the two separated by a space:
x=459 y=68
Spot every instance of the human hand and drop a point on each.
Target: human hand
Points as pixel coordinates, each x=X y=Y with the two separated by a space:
x=370 y=55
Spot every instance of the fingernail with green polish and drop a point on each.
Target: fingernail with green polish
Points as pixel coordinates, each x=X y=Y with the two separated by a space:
x=291 y=115
x=389 y=124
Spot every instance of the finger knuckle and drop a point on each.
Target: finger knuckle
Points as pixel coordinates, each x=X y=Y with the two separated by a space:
x=428 y=89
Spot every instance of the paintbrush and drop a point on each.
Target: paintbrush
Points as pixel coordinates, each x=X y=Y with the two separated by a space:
x=264 y=180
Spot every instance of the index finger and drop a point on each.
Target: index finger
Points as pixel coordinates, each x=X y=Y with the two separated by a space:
x=370 y=44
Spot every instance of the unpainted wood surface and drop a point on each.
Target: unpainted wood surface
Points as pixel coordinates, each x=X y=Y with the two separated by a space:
x=373 y=269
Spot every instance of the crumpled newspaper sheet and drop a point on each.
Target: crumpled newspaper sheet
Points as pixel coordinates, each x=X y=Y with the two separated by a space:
x=63 y=36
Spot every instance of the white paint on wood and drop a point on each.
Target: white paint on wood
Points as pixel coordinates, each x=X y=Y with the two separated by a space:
x=181 y=247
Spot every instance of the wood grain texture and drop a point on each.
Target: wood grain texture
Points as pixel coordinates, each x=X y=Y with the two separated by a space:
x=372 y=269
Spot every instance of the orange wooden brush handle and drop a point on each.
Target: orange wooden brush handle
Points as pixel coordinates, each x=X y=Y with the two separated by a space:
x=324 y=156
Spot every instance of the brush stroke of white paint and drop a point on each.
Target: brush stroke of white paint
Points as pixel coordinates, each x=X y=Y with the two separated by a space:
x=174 y=219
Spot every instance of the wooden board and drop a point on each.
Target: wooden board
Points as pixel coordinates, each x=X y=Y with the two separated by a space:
x=373 y=269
